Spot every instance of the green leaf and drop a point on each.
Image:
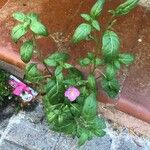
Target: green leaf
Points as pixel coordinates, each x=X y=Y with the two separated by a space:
x=75 y=73
x=67 y=66
x=51 y=116
x=19 y=16
x=85 y=62
x=50 y=62
x=70 y=81
x=98 y=62
x=126 y=7
x=111 y=87
x=117 y=64
x=90 y=55
x=99 y=132
x=110 y=72
x=86 y=17
x=56 y=58
x=90 y=107
x=96 y=25
x=17 y=32
x=126 y=58
x=76 y=109
x=97 y=8
x=81 y=32
x=67 y=127
x=56 y=93
x=91 y=82
x=100 y=123
x=58 y=70
x=51 y=82
x=110 y=44
x=83 y=137
x=38 y=28
x=32 y=73
x=26 y=51
x=33 y=16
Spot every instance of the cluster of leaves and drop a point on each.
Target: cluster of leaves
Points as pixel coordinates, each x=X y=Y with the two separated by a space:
x=108 y=47
x=5 y=90
x=28 y=23
x=78 y=118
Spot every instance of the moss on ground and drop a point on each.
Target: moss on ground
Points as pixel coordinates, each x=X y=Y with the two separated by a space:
x=5 y=90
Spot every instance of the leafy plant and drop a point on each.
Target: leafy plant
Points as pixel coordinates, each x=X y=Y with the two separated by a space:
x=5 y=91
x=70 y=99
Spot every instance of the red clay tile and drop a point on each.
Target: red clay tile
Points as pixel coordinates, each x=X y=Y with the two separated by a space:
x=136 y=89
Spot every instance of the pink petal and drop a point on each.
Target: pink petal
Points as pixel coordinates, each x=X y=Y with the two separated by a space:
x=72 y=93
x=17 y=91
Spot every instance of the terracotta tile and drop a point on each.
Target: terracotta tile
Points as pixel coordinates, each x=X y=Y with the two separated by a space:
x=136 y=88
x=62 y=18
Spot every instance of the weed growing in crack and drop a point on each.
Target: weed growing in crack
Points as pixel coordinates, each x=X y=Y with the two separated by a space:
x=70 y=99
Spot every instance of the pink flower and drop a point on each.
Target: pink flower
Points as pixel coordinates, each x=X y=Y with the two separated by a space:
x=21 y=87
x=72 y=93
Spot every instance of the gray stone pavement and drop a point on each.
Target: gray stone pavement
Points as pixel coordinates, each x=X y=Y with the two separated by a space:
x=29 y=131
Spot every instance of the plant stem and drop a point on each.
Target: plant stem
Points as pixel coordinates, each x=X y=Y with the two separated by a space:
x=98 y=41
x=101 y=74
x=96 y=49
x=109 y=22
x=40 y=54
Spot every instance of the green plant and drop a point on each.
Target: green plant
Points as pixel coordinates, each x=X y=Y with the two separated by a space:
x=5 y=91
x=70 y=99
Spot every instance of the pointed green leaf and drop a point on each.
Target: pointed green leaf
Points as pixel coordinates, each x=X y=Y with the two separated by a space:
x=97 y=8
x=17 y=32
x=126 y=7
x=50 y=62
x=85 y=62
x=90 y=107
x=111 y=87
x=51 y=82
x=100 y=123
x=98 y=62
x=110 y=44
x=90 y=55
x=51 y=116
x=99 y=132
x=81 y=32
x=56 y=94
x=95 y=25
x=19 y=16
x=67 y=66
x=33 y=16
x=91 y=82
x=75 y=73
x=58 y=70
x=83 y=138
x=76 y=109
x=86 y=17
x=26 y=51
x=117 y=64
x=38 y=28
x=126 y=58
x=67 y=127
x=97 y=126
x=110 y=72
x=56 y=58
x=32 y=73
